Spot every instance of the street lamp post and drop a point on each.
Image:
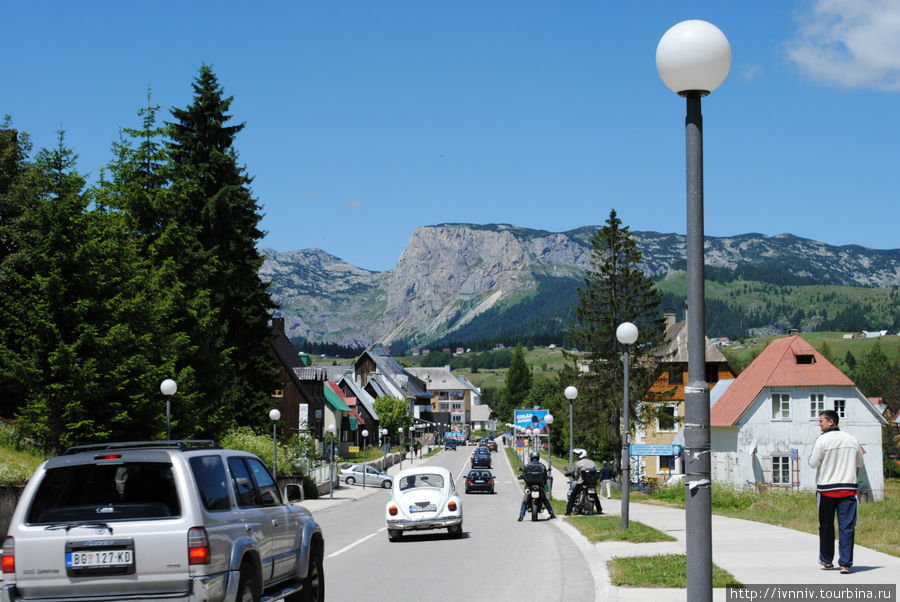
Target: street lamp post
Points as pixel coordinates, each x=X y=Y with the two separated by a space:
x=384 y=433
x=627 y=334
x=693 y=59
x=548 y=420
x=365 y=436
x=274 y=416
x=400 y=432
x=168 y=388
x=412 y=433
x=332 y=430
x=571 y=393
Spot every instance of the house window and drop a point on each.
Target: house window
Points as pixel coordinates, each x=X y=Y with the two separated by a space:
x=456 y=418
x=712 y=373
x=840 y=406
x=676 y=375
x=666 y=463
x=278 y=393
x=665 y=419
x=781 y=406
x=781 y=470
x=816 y=405
x=457 y=406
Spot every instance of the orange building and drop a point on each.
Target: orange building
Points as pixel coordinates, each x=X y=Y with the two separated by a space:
x=666 y=399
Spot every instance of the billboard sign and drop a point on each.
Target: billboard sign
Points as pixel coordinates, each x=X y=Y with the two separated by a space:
x=531 y=419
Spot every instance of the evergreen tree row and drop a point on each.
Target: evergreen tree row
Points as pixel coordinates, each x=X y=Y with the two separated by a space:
x=151 y=273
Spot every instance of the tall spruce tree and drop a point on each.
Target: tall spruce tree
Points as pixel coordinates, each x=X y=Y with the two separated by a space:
x=74 y=314
x=209 y=234
x=518 y=384
x=615 y=290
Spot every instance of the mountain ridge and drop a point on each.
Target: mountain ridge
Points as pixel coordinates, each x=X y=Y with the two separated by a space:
x=452 y=274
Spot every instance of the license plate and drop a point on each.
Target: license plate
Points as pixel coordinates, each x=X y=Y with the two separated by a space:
x=428 y=508
x=99 y=559
x=478 y=481
x=592 y=490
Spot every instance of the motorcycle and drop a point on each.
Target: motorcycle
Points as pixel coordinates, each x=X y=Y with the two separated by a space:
x=532 y=499
x=587 y=501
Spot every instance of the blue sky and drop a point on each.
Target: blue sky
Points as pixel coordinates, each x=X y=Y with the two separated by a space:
x=365 y=120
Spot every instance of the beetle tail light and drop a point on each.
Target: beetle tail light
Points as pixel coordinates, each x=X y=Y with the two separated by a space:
x=9 y=555
x=198 y=546
x=452 y=506
x=392 y=510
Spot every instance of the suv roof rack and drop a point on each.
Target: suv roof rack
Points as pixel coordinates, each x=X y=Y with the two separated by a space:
x=182 y=445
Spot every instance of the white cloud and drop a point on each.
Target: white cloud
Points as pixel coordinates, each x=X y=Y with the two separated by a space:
x=751 y=72
x=849 y=43
x=354 y=204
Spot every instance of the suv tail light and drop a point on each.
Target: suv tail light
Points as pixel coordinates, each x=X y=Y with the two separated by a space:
x=198 y=546
x=9 y=555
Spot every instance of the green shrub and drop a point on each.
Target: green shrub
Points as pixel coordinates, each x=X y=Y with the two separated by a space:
x=293 y=453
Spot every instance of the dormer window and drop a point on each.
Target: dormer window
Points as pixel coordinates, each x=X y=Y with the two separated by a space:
x=804 y=359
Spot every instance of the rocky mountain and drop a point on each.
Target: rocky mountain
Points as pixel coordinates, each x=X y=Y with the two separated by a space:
x=450 y=276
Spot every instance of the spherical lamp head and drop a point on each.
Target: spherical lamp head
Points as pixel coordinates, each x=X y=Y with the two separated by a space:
x=274 y=415
x=365 y=433
x=168 y=387
x=548 y=419
x=571 y=393
x=627 y=333
x=693 y=56
x=331 y=429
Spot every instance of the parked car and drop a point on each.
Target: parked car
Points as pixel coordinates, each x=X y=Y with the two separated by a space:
x=479 y=480
x=159 y=520
x=423 y=498
x=353 y=473
x=481 y=459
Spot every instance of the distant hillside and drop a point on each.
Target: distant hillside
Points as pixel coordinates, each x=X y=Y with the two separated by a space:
x=461 y=282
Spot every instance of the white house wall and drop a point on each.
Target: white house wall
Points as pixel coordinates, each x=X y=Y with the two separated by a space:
x=743 y=454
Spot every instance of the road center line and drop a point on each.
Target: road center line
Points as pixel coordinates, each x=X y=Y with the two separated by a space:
x=355 y=543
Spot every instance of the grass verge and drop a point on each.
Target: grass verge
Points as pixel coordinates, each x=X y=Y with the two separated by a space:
x=875 y=526
x=669 y=570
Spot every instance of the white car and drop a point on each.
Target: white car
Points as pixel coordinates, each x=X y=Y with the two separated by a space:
x=423 y=498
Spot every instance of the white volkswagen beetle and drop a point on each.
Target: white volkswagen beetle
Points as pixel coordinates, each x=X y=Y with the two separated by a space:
x=423 y=498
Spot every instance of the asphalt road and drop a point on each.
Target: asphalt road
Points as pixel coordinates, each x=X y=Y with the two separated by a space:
x=497 y=558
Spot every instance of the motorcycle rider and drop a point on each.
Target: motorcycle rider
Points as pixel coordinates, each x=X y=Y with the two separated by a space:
x=584 y=463
x=535 y=473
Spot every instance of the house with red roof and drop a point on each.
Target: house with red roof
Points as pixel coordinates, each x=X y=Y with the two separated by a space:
x=764 y=425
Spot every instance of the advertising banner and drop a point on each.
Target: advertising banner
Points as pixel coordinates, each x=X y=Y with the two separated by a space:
x=531 y=419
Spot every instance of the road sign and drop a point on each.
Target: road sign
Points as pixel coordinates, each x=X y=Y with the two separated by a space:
x=654 y=450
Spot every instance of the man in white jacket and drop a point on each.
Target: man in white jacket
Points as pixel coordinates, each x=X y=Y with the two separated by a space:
x=837 y=456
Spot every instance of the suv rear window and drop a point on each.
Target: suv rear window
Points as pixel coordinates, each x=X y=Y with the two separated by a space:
x=105 y=492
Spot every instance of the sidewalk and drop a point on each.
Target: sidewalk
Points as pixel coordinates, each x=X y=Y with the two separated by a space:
x=754 y=553
x=344 y=494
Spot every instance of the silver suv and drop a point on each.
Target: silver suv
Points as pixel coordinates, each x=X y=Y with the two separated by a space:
x=164 y=520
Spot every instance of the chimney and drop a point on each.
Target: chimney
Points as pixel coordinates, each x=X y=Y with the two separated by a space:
x=669 y=317
x=277 y=326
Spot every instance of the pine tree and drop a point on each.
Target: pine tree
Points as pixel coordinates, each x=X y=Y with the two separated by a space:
x=615 y=290
x=75 y=315
x=209 y=233
x=518 y=383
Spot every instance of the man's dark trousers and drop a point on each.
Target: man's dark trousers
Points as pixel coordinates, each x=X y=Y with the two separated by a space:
x=845 y=508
